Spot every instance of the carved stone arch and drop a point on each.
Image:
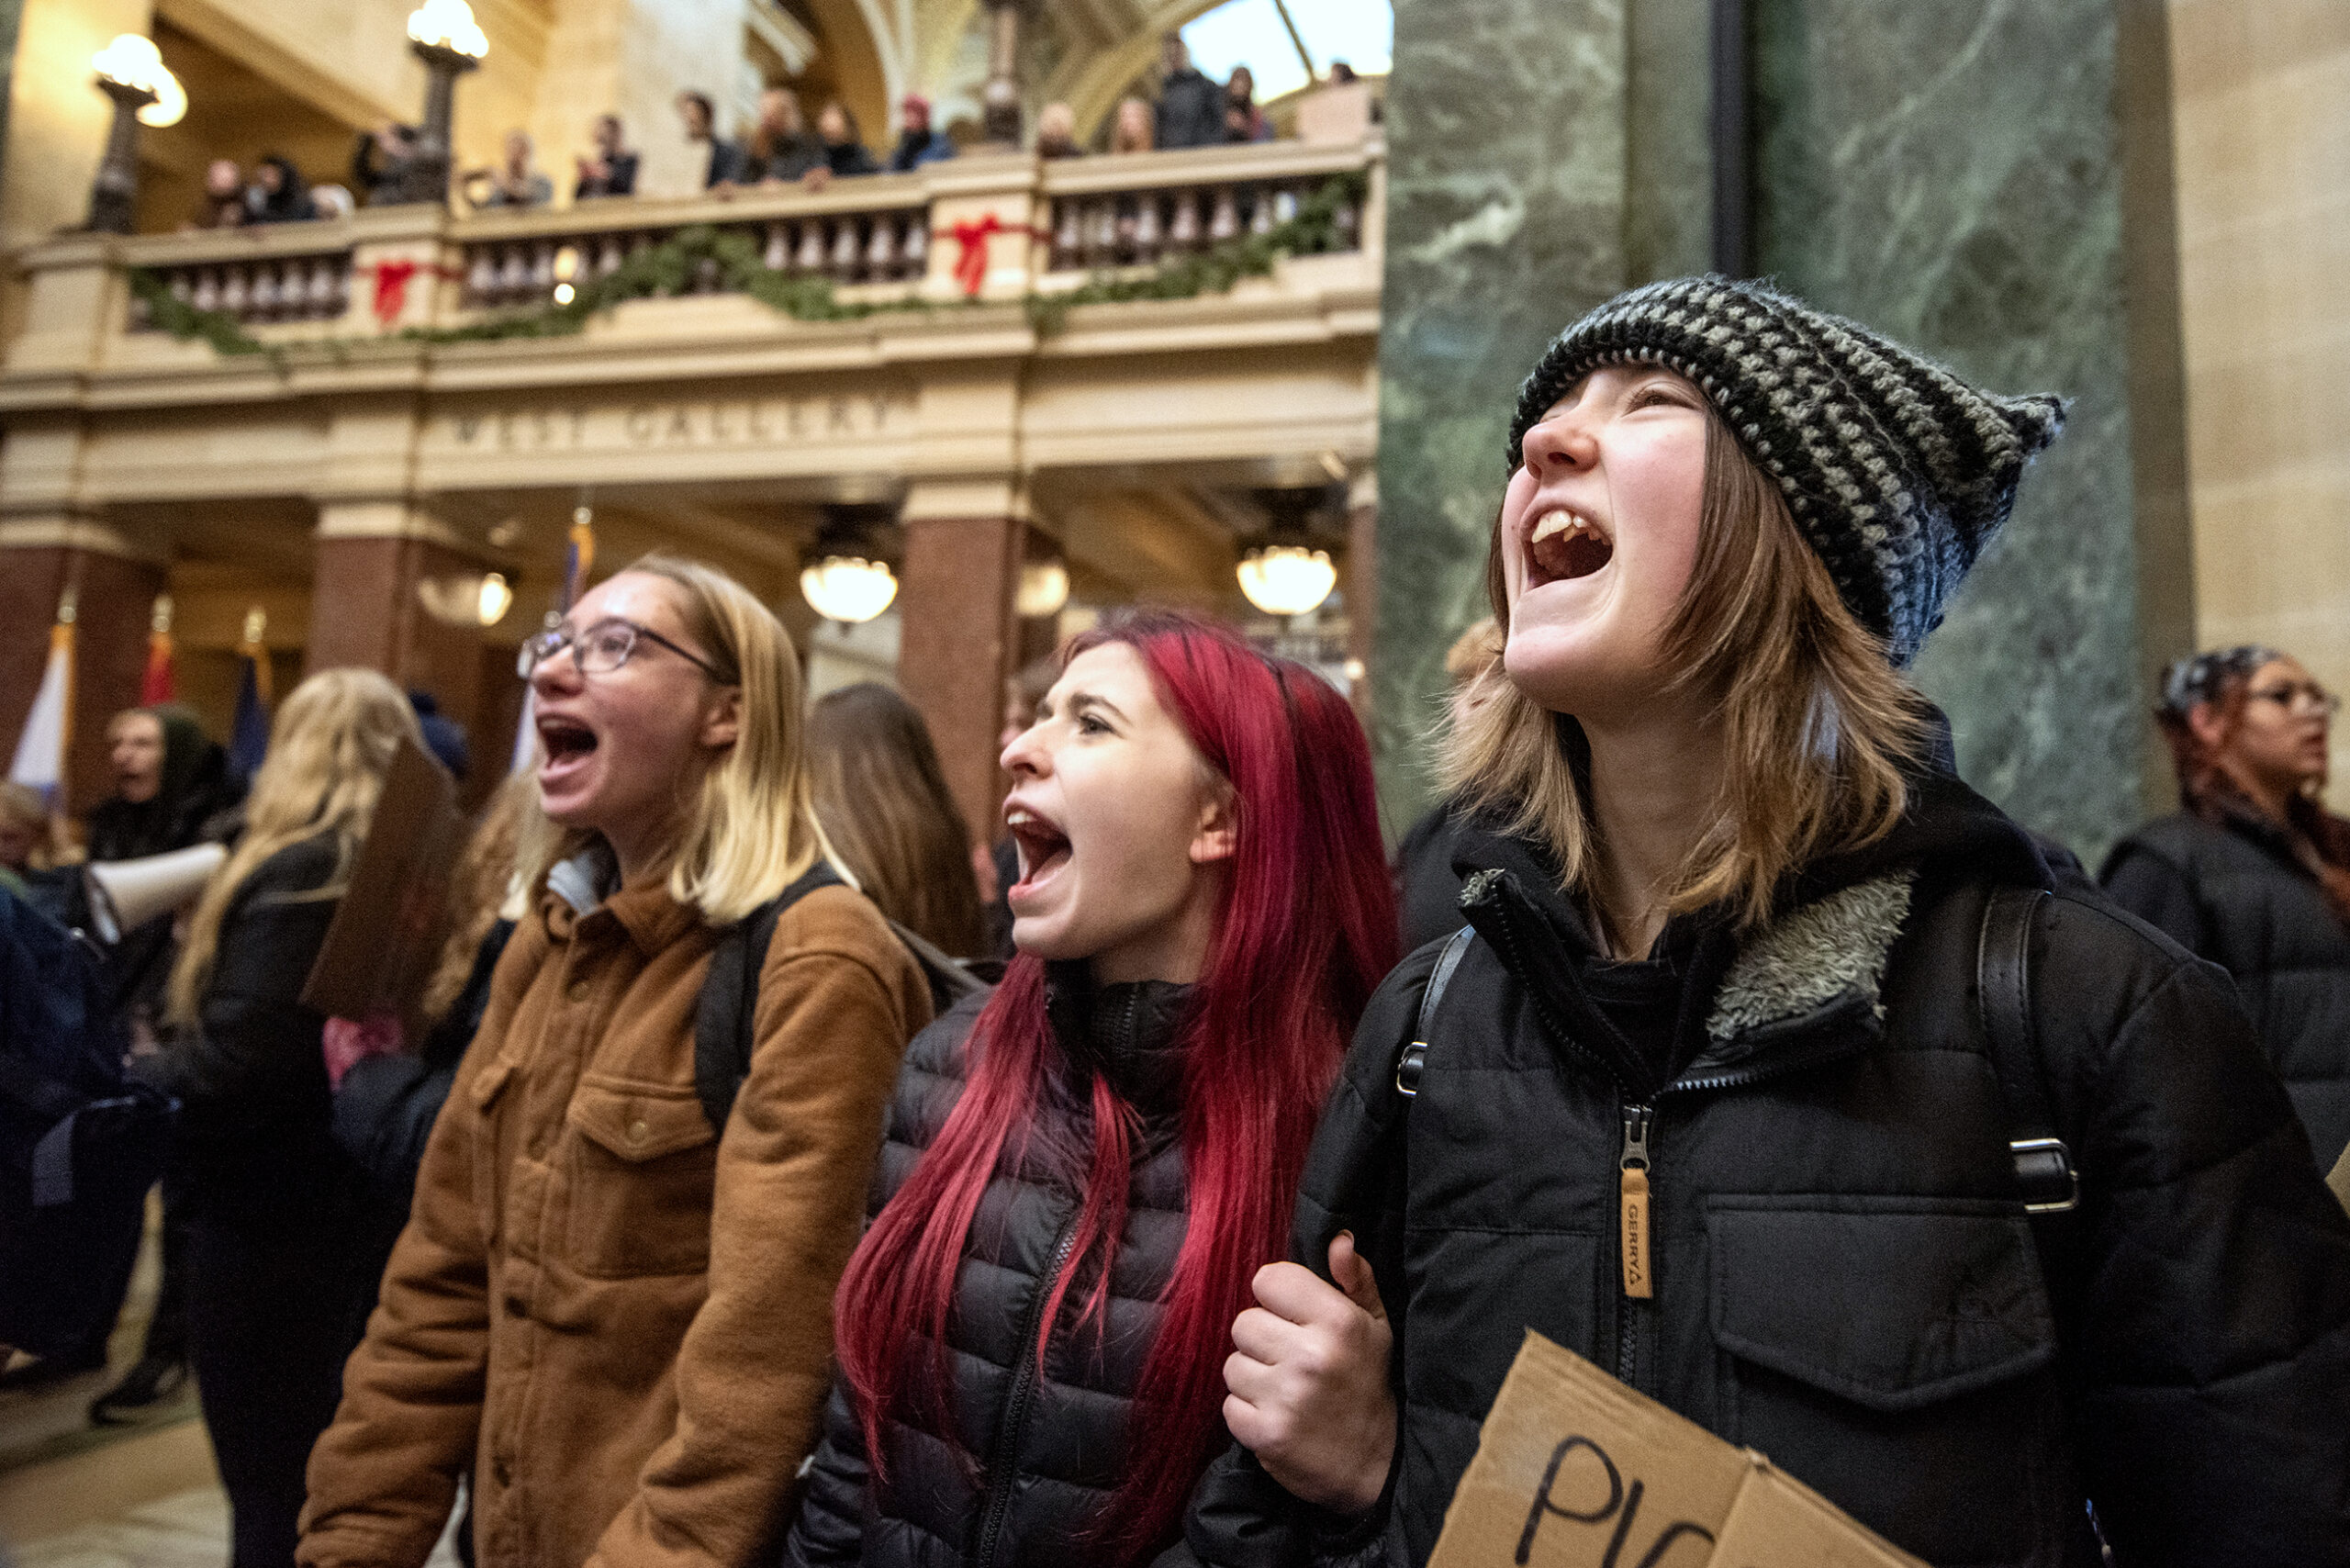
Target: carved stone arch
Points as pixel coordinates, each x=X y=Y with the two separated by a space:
x=869 y=47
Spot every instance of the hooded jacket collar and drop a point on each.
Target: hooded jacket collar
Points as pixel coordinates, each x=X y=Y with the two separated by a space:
x=1807 y=986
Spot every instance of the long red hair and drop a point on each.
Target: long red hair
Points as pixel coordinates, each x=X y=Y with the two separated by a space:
x=1305 y=931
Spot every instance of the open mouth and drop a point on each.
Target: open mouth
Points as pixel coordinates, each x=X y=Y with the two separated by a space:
x=567 y=741
x=1564 y=546
x=1044 y=849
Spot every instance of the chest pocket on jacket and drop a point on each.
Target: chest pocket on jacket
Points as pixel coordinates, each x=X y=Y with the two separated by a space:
x=1878 y=1348
x=642 y=1171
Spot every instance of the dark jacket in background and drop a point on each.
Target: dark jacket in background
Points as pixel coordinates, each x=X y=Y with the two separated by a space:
x=2236 y=895
x=1191 y=111
x=1036 y=1450
x=933 y=146
x=620 y=181
x=385 y=1107
x=786 y=159
x=279 y=1283
x=196 y=787
x=1843 y=1276
x=849 y=158
x=725 y=162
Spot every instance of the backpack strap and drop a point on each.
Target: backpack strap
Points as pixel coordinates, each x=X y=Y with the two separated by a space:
x=725 y=1016
x=1414 y=1057
x=2046 y=1178
x=949 y=978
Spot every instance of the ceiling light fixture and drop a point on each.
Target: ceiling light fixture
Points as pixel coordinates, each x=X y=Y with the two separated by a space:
x=1044 y=588
x=1287 y=579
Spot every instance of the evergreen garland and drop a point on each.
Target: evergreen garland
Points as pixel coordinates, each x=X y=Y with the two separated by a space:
x=671 y=268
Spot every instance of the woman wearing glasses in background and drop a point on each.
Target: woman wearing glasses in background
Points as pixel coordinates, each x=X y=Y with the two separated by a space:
x=609 y=1314
x=2254 y=873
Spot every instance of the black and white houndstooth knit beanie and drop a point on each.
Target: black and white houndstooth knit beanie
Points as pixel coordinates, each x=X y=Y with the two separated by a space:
x=1898 y=472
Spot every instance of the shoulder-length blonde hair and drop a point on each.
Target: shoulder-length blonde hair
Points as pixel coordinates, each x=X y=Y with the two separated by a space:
x=750 y=830
x=1817 y=724
x=329 y=749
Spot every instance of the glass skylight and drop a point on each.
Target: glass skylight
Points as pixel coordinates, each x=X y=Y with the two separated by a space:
x=1249 y=32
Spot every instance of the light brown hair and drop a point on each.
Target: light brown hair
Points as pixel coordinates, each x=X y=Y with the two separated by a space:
x=884 y=803
x=1818 y=726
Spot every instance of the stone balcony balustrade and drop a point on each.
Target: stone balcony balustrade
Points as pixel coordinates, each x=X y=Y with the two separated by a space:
x=392 y=400
x=1042 y=227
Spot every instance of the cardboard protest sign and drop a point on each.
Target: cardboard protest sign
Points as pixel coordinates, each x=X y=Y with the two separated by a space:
x=387 y=932
x=1574 y=1470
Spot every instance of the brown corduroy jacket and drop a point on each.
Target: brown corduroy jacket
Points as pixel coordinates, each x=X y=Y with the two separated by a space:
x=619 y=1323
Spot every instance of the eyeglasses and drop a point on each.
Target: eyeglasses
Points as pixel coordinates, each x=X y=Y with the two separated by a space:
x=602 y=648
x=2299 y=694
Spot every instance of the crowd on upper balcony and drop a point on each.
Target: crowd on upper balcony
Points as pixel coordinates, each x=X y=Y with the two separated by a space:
x=779 y=148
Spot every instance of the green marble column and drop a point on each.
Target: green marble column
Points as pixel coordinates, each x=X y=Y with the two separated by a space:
x=1953 y=175
x=1506 y=219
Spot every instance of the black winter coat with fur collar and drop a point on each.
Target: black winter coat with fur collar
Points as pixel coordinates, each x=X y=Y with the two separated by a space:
x=1842 y=1275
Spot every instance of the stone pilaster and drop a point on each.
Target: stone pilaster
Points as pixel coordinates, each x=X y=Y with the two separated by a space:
x=1955 y=176
x=960 y=643
x=364 y=608
x=1506 y=211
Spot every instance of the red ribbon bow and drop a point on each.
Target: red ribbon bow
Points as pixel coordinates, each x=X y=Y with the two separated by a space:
x=972 y=235
x=971 y=261
x=391 y=286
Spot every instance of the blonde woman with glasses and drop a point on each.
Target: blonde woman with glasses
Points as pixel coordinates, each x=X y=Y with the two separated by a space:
x=610 y=1316
x=277 y=1288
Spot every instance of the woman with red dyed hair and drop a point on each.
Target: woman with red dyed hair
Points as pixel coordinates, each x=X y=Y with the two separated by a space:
x=1085 y=1169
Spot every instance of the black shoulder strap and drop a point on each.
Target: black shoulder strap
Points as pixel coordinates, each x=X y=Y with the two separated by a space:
x=725 y=1018
x=1408 y=1065
x=949 y=978
x=2045 y=1176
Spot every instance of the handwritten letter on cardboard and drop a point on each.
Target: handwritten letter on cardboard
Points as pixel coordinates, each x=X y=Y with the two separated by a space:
x=1574 y=1470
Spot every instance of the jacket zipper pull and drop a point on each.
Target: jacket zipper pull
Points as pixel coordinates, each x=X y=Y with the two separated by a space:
x=1640 y=1283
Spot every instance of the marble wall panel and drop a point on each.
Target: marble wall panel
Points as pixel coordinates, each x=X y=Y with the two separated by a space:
x=1506 y=219
x=1952 y=176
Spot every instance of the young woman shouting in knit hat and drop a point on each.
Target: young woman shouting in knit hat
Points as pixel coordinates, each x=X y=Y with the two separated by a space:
x=1767 y=1071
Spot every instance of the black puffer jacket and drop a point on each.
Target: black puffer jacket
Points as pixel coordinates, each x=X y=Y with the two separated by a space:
x=252 y=1079
x=1843 y=1278
x=2235 y=894
x=1034 y=1454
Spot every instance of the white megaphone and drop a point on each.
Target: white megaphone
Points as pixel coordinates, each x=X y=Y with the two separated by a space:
x=126 y=894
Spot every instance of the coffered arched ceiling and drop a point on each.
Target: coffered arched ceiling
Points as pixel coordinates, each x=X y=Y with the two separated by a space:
x=1090 y=49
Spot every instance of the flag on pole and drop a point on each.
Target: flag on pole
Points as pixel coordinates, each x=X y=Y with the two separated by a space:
x=41 y=749
x=157 y=685
x=578 y=558
x=249 y=736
